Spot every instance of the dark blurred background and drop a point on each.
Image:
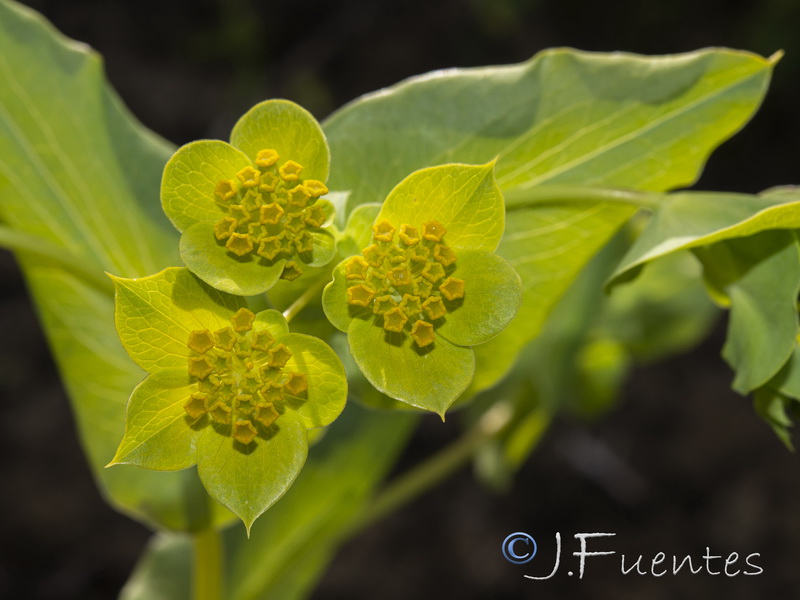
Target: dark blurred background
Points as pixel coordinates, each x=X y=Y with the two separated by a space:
x=707 y=471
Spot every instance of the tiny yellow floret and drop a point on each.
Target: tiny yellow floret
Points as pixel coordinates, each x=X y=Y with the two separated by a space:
x=266 y=158
x=317 y=188
x=200 y=341
x=422 y=332
x=452 y=288
x=409 y=235
x=434 y=307
x=279 y=356
x=266 y=414
x=200 y=367
x=196 y=405
x=290 y=171
x=394 y=320
x=239 y=243
x=225 y=190
x=270 y=214
x=291 y=271
x=243 y=431
x=383 y=231
x=433 y=231
x=249 y=177
x=243 y=320
x=356 y=268
x=297 y=384
x=359 y=295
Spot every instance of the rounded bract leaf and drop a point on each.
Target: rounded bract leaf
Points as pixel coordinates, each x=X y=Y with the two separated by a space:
x=191 y=177
x=288 y=129
x=430 y=378
x=492 y=298
x=249 y=479
x=212 y=262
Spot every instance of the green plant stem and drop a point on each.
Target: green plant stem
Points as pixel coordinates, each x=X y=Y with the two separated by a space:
x=544 y=194
x=305 y=298
x=31 y=244
x=207 y=565
x=426 y=475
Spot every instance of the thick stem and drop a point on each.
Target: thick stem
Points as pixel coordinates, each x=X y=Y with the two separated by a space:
x=22 y=242
x=207 y=565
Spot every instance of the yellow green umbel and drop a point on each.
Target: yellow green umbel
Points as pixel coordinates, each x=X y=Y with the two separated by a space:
x=240 y=378
x=269 y=211
x=404 y=276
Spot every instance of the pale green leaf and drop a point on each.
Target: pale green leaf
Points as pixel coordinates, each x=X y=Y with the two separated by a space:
x=158 y=433
x=211 y=261
x=564 y=116
x=155 y=315
x=290 y=130
x=491 y=299
x=190 y=177
x=249 y=479
x=761 y=276
x=464 y=198
x=88 y=182
x=692 y=219
x=430 y=378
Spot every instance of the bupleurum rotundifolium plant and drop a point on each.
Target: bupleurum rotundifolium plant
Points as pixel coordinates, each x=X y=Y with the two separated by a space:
x=227 y=389
x=426 y=286
x=232 y=390
x=251 y=211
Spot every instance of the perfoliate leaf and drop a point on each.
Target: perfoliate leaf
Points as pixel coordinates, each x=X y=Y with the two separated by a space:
x=564 y=116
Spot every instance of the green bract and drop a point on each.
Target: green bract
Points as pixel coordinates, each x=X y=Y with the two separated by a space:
x=428 y=287
x=228 y=390
x=250 y=211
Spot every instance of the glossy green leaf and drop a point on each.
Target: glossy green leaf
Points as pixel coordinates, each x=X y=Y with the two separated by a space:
x=249 y=479
x=156 y=314
x=158 y=433
x=430 y=378
x=492 y=298
x=693 y=219
x=564 y=116
x=287 y=128
x=464 y=198
x=190 y=177
x=88 y=182
x=243 y=276
x=761 y=276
